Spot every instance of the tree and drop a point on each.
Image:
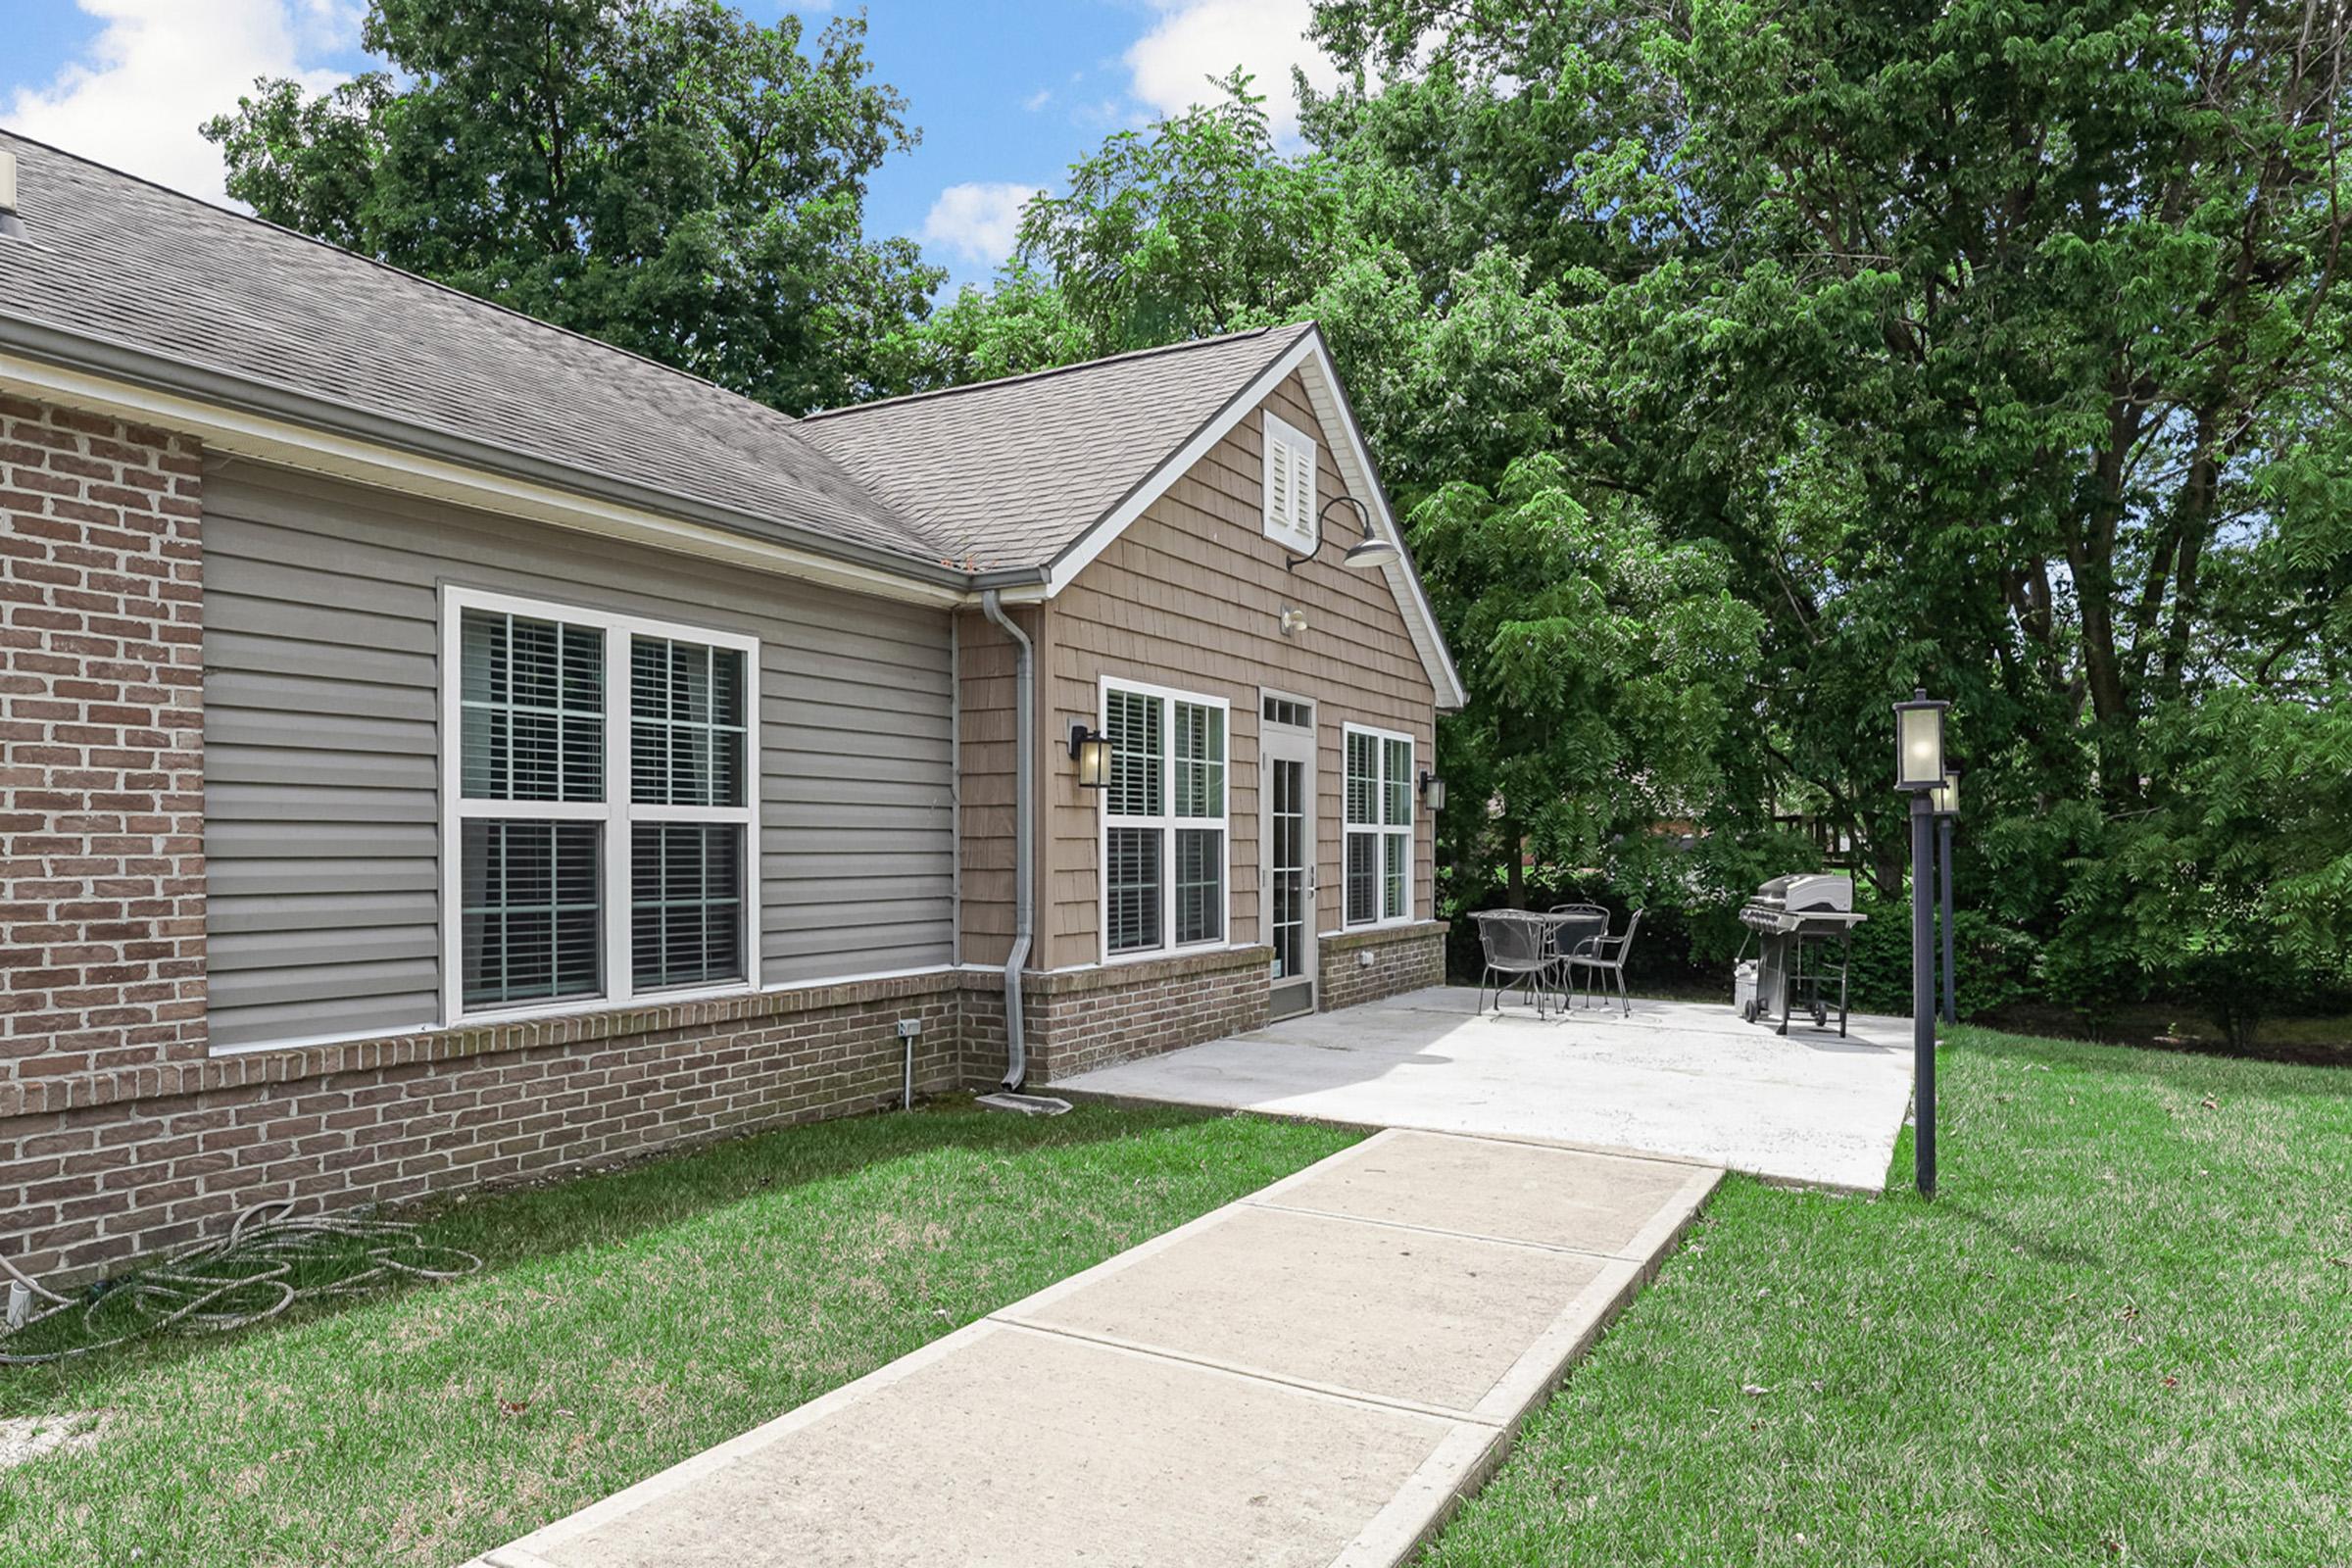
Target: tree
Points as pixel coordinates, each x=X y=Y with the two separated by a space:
x=662 y=174
x=2000 y=345
x=1605 y=668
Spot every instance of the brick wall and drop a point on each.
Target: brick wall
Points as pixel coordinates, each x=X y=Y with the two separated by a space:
x=1088 y=1018
x=101 y=745
x=1405 y=958
x=100 y=1169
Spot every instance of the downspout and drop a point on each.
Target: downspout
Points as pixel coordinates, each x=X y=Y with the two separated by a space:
x=1024 y=793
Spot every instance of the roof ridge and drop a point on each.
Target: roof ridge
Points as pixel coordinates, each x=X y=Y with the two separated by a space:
x=382 y=266
x=1073 y=366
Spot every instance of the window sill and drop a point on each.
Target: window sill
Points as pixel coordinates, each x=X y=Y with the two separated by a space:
x=635 y=1002
x=1147 y=954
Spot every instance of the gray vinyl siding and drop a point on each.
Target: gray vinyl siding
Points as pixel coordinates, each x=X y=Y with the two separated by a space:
x=322 y=714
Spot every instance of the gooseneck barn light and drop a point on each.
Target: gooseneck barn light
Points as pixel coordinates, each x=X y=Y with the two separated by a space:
x=1365 y=554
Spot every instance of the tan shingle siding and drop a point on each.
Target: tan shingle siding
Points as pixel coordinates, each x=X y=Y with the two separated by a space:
x=1190 y=598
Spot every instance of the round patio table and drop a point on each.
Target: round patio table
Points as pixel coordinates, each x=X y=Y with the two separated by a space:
x=1564 y=934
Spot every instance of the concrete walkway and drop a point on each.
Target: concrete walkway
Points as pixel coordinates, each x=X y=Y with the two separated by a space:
x=1307 y=1377
x=1688 y=1080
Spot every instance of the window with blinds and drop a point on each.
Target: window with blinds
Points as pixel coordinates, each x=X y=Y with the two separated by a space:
x=531 y=911
x=1290 y=486
x=1377 y=873
x=1164 y=827
x=567 y=887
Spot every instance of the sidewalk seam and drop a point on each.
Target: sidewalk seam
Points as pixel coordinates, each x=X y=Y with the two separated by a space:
x=1558 y=1247
x=1330 y=1391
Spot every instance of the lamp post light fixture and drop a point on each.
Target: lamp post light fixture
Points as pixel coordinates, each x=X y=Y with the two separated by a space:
x=1919 y=772
x=1092 y=753
x=1365 y=554
x=1433 y=791
x=1919 y=743
x=1948 y=815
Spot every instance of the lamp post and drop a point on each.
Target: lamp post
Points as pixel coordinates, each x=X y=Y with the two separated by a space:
x=1919 y=772
x=1948 y=815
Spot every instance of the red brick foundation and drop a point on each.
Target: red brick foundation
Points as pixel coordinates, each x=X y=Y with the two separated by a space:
x=101 y=1168
x=1403 y=957
x=100 y=744
x=1084 y=1018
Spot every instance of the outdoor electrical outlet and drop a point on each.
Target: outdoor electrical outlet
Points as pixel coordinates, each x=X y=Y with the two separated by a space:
x=1363 y=961
x=909 y=1028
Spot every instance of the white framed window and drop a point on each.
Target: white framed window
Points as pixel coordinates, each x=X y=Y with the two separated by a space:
x=599 y=808
x=1290 y=486
x=1377 y=872
x=1166 y=843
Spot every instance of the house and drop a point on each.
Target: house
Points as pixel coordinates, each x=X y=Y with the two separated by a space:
x=441 y=748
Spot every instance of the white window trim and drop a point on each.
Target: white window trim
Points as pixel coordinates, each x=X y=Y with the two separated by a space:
x=1383 y=829
x=1105 y=821
x=1296 y=536
x=617 y=811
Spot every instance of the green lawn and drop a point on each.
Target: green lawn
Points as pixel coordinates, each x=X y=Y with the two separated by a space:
x=623 y=1323
x=2120 y=1334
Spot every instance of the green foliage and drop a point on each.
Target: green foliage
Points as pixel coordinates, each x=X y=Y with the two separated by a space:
x=1193 y=228
x=1603 y=664
x=662 y=174
x=1997 y=966
x=1995 y=344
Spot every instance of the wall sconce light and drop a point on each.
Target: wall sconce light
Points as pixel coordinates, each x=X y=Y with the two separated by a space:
x=1433 y=791
x=1092 y=753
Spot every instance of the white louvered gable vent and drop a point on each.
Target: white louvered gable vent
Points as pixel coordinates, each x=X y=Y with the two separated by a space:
x=1290 y=486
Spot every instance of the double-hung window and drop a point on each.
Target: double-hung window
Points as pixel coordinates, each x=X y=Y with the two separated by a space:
x=1379 y=865
x=1164 y=820
x=600 y=795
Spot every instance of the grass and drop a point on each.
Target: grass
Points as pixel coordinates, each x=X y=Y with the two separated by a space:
x=621 y=1323
x=2122 y=1333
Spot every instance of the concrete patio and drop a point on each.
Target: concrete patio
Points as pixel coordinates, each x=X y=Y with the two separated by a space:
x=1689 y=1080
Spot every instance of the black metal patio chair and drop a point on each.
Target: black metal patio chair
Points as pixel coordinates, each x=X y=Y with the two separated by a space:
x=1603 y=958
x=1572 y=928
x=1517 y=948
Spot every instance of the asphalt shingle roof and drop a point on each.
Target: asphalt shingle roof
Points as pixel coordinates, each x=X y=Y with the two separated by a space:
x=996 y=475
x=1011 y=473
x=109 y=257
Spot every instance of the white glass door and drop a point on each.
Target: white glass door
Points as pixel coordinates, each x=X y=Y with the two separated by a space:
x=1288 y=836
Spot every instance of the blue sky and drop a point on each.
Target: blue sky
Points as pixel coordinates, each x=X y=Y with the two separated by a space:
x=1007 y=95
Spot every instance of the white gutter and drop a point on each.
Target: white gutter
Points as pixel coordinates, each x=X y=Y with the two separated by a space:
x=1024 y=813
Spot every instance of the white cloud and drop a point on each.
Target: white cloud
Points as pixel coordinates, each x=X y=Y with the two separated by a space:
x=159 y=69
x=978 y=220
x=1193 y=40
x=1038 y=99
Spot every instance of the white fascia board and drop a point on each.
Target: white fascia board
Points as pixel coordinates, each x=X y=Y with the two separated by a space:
x=1081 y=552
x=1330 y=398
x=266 y=439
x=1354 y=459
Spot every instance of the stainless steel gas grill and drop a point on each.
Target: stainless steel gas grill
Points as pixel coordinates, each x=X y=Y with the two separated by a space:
x=1800 y=922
